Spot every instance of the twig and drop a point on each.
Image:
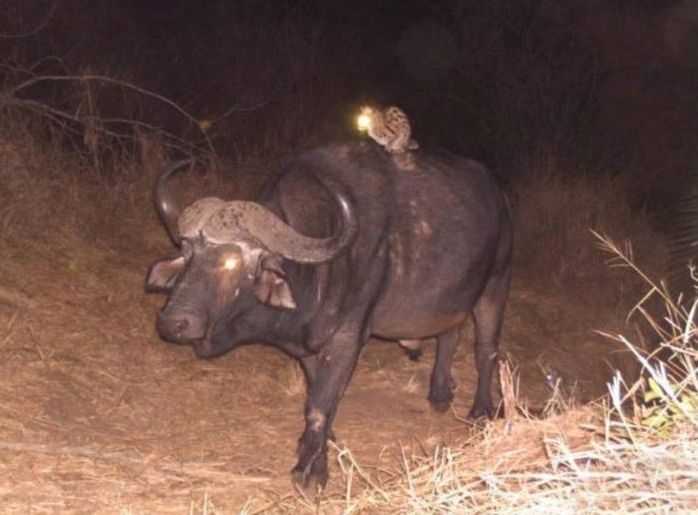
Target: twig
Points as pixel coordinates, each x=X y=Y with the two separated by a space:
x=36 y=29
x=10 y=96
x=116 y=457
x=15 y=298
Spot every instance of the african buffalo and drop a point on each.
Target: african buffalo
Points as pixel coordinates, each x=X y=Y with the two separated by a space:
x=343 y=243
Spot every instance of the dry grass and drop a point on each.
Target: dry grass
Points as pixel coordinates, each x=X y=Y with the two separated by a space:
x=99 y=416
x=554 y=212
x=595 y=479
x=292 y=380
x=563 y=284
x=413 y=385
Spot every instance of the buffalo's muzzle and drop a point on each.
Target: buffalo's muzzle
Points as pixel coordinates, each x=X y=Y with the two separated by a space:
x=180 y=327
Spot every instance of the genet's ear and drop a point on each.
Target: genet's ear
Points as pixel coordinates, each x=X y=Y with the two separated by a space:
x=163 y=274
x=271 y=286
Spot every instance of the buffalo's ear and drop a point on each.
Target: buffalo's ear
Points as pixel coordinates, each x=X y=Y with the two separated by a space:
x=163 y=274
x=271 y=286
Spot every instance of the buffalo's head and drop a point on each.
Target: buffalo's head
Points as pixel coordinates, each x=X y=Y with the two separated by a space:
x=229 y=260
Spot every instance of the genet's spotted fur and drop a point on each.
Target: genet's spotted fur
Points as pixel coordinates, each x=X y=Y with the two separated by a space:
x=389 y=128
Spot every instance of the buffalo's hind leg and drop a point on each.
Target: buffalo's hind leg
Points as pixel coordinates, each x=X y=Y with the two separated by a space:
x=488 y=314
x=442 y=384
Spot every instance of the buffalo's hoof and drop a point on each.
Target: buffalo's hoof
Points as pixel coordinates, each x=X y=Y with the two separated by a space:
x=311 y=479
x=310 y=473
x=479 y=411
x=440 y=400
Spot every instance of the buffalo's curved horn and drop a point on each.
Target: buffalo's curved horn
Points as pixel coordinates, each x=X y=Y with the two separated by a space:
x=164 y=200
x=276 y=235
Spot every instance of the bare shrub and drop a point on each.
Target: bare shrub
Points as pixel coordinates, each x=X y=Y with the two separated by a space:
x=526 y=88
x=554 y=210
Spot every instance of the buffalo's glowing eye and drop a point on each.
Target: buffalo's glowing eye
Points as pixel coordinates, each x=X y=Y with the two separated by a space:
x=363 y=122
x=231 y=263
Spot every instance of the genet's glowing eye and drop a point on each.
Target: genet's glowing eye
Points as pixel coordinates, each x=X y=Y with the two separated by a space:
x=363 y=122
x=231 y=263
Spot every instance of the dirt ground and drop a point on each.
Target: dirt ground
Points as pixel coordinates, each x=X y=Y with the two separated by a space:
x=97 y=414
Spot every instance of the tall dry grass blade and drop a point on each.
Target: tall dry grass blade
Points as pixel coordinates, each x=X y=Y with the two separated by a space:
x=509 y=387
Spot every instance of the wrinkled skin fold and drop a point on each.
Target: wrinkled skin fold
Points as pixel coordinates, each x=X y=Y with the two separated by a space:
x=342 y=244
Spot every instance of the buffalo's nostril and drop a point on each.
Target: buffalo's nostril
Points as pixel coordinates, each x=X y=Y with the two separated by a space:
x=180 y=327
x=171 y=326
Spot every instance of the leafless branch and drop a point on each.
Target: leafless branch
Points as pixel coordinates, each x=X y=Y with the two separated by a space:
x=10 y=96
x=42 y=23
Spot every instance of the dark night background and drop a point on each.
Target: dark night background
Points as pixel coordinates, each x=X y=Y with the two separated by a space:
x=600 y=85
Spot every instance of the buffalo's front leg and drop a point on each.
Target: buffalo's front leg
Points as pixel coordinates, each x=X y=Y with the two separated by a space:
x=334 y=366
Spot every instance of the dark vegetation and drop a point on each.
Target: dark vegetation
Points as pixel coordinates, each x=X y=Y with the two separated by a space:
x=585 y=111
x=570 y=95
x=576 y=84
